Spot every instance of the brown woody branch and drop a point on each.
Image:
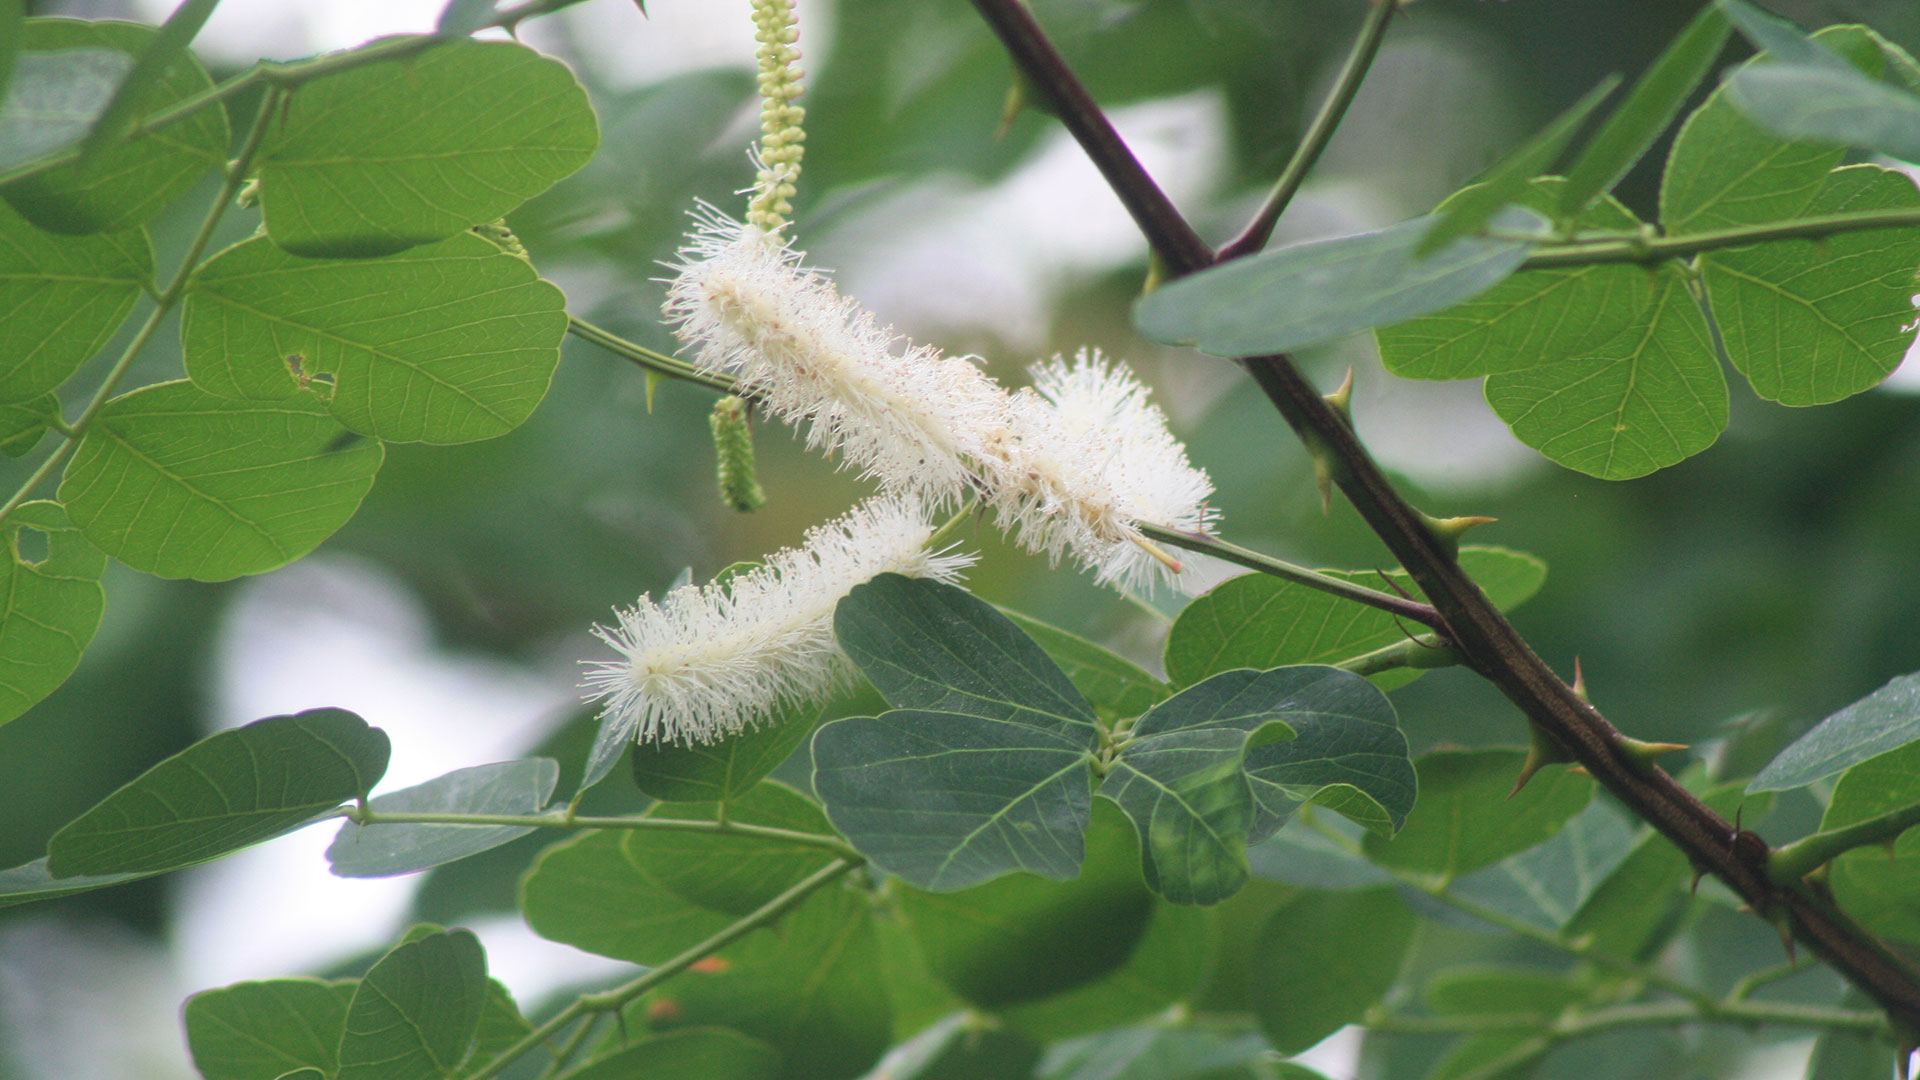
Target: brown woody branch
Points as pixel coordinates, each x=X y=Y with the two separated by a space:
x=1485 y=640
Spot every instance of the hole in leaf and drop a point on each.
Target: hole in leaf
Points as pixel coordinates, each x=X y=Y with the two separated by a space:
x=30 y=546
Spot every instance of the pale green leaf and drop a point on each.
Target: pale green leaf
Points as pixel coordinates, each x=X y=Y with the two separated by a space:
x=61 y=298
x=508 y=787
x=588 y=893
x=1465 y=818
x=414 y=1014
x=1884 y=720
x=48 y=609
x=262 y=1030
x=1879 y=885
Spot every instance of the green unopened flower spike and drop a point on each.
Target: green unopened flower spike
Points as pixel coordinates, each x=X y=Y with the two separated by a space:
x=733 y=446
x=781 y=134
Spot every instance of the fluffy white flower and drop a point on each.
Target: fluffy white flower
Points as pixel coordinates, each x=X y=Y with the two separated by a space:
x=706 y=661
x=906 y=415
x=1089 y=461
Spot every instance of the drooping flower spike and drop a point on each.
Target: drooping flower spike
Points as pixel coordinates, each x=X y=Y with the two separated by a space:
x=706 y=661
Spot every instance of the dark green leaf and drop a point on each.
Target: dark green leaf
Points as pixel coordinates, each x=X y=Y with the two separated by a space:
x=1649 y=107
x=1165 y=967
x=1021 y=939
x=1506 y=183
x=147 y=78
x=590 y=894
x=22 y=425
x=1501 y=991
x=1465 y=819
x=712 y=772
x=1533 y=318
x=501 y=1025
x=178 y=483
x=946 y=800
x=1846 y=1055
x=509 y=787
x=379 y=158
x=1649 y=397
x=1880 y=886
x=1259 y=621
x=415 y=1013
x=123 y=186
x=963 y=1048
x=1324 y=959
x=63 y=296
x=1544 y=886
x=1884 y=720
x=808 y=991
x=225 y=792
x=1288 y=298
x=935 y=647
x=48 y=609
x=733 y=875
x=442 y=344
x=1117 y=688
x=687 y=1054
x=1348 y=754
x=262 y=1030
x=1151 y=1052
x=12 y=13
x=1810 y=322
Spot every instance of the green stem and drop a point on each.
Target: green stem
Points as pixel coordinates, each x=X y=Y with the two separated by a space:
x=616 y=999
x=1423 y=651
x=281 y=74
x=559 y=819
x=1789 y=863
x=1746 y=986
x=1299 y=575
x=1576 y=1022
x=1319 y=133
x=1633 y=247
x=951 y=525
x=163 y=303
x=569 y=1048
x=657 y=362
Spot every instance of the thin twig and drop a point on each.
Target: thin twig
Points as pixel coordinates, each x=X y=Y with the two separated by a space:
x=1299 y=575
x=558 y=818
x=657 y=362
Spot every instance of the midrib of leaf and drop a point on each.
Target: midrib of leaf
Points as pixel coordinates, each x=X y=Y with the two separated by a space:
x=966 y=842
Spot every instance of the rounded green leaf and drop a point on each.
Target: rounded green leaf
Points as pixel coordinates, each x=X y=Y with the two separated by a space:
x=176 y=482
x=414 y=1014
x=48 y=609
x=712 y=772
x=589 y=893
x=1323 y=959
x=1884 y=720
x=1117 y=688
x=1649 y=397
x=733 y=875
x=1165 y=967
x=1022 y=938
x=224 y=793
x=380 y=158
x=61 y=298
x=448 y=343
x=687 y=1054
x=1465 y=819
x=508 y=787
x=262 y=1030
x=126 y=185
x=1810 y=322
x=1879 y=885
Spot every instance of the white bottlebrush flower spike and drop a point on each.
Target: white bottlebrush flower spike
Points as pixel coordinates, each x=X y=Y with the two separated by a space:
x=706 y=661
x=906 y=415
x=1090 y=462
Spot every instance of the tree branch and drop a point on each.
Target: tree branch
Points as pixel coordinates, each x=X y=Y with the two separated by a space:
x=1485 y=640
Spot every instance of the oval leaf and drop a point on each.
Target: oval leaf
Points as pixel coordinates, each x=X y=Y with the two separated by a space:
x=1323 y=959
x=225 y=792
x=48 y=609
x=1884 y=720
x=415 y=1013
x=380 y=158
x=733 y=875
x=178 y=483
x=509 y=787
x=588 y=893
x=122 y=186
x=1466 y=819
x=717 y=771
x=688 y=1054
x=1285 y=299
x=1879 y=885
x=54 y=97
x=262 y=1030
x=63 y=296
x=442 y=344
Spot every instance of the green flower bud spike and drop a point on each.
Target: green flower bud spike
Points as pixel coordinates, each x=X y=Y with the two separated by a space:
x=733 y=446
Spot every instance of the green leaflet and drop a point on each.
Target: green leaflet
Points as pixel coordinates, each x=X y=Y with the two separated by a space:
x=124 y=186
x=508 y=787
x=262 y=1030
x=1545 y=885
x=1880 y=886
x=23 y=425
x=447 y=343
x=48 y=609
x=807 y=990
x=55 y=96
x=1884 y=720
x=1157 y=1052
x=414 y=1015
x=1649 y=397
x=1465 y=819
x=1811 y=322
x=1117 y=688
x=64 y=297
x=720 y=770
x=733 y=875
x=687 y=1054
x=380 y=158
x=223 y=793
x=1323 y=959
x=178 y=483
x=1259 y=621
x=1165 y=967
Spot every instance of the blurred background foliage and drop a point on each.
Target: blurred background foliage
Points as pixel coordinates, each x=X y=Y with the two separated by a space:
x=1736 y=597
